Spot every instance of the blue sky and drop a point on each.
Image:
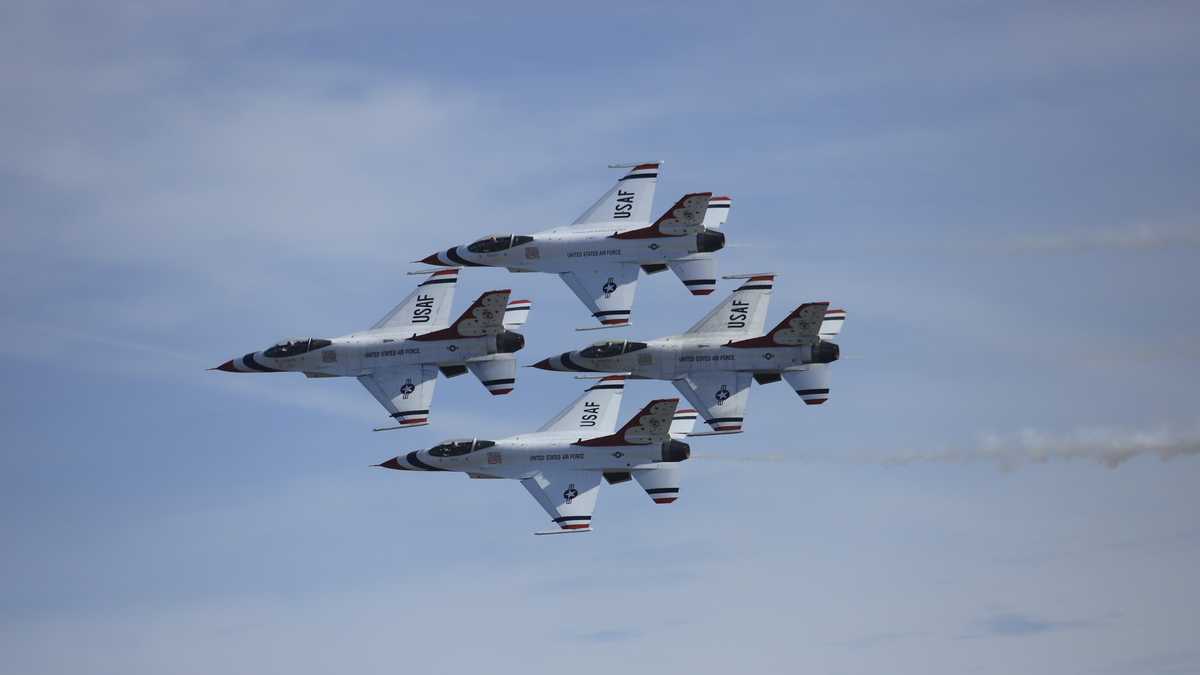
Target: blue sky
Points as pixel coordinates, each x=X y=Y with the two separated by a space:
x=1003 y=196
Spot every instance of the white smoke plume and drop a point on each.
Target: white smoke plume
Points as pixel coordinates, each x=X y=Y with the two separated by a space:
x=1141 y=237
x=1108 y=447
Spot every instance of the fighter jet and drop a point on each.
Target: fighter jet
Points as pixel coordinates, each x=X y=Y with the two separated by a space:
x=399 y=357
x=563 y=463
x=713 y=363
x=600 y=254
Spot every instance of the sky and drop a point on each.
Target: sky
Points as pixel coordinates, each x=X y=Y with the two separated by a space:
x=1002 y=195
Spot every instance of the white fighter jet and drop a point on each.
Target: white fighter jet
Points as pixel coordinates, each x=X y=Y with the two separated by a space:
x=563 y=463
x=398 y=358
x=600 y=254
x=713 y=363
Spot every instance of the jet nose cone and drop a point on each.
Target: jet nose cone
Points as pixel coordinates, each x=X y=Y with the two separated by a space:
x=544 y=364
x=392 y=463
x=433 y=259
x=227 y=367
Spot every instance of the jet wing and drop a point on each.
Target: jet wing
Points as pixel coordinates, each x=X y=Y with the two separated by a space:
x=405 y=391
x=743 y=313
x=594 y=412
x=628 y=202
x=719 y=396
x=606 y=289
x=568 y=495
x=427 y=307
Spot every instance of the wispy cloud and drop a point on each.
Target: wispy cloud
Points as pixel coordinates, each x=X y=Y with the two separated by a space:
x=1018 y=624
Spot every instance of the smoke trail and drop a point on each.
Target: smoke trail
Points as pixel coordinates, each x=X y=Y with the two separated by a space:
x=1107 y=447
x=1135 y=238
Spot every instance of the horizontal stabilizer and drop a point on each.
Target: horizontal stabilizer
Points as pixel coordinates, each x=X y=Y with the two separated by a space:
x=683 y=423
x=718 y=212
x=811 y=383
x=832 y=325
x=661 y=483
x=517 y=313
x=698 y=273
x=497 y=372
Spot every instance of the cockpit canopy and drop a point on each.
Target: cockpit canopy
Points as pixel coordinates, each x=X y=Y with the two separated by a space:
x=459 y=446
x=498 y=242
x=610 y=348
x=295 y=347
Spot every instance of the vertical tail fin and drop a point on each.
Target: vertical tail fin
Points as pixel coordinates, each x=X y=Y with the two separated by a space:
x=652 y=424
x=685 y=217
x=485 y=316
x=799 y=328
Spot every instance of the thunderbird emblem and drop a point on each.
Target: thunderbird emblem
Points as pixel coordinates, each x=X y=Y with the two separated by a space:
x=722 y=394
x=570 y=493
x=609 y=287
x=407 y=388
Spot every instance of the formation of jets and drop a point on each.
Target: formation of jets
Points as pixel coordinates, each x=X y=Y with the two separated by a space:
x=600 y=256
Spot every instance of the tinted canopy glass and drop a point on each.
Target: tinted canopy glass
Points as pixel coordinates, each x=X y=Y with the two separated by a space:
x=295 y=347
x=498 y=242
x=459 y=446
x=611 y=348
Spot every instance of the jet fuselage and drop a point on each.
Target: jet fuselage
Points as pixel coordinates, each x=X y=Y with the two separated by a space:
x=523 y=455
x=365 y=352
x=564 y=249
x=674 y=357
